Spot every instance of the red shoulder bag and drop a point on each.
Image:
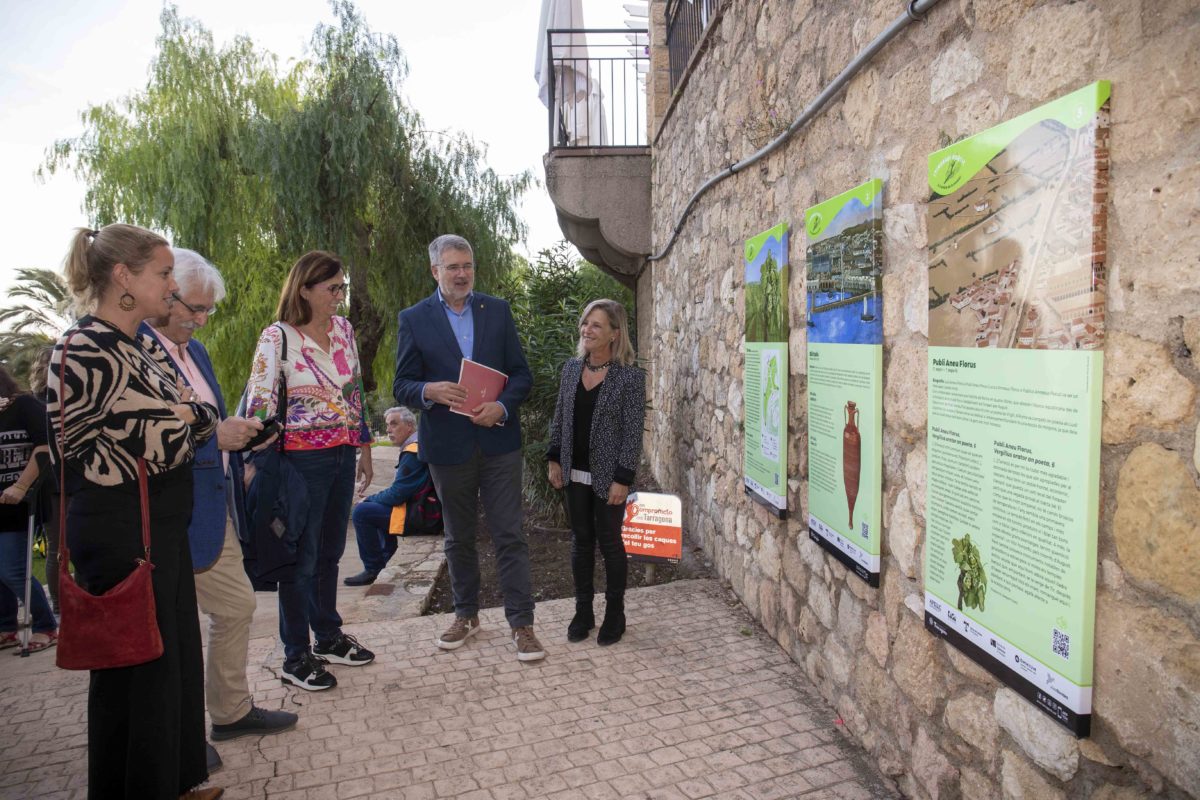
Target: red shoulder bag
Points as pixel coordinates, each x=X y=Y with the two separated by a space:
x=119 y=627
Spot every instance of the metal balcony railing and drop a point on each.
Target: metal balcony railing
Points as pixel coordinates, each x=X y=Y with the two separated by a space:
x=597 y=91
x=686 y=22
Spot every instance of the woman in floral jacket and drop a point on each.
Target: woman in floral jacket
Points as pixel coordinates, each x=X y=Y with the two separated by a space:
x=325 y=427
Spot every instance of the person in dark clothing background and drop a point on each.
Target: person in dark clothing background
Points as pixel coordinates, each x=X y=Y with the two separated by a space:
x=22 y=438
x=48 y=497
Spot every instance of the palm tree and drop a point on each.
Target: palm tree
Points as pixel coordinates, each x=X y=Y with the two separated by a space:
x=31 y=325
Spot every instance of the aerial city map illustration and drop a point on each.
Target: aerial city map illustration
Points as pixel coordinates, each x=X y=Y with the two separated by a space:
x=845 y=271
x=1017 y=251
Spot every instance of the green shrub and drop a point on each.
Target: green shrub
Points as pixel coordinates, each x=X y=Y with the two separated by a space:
x=547 y=297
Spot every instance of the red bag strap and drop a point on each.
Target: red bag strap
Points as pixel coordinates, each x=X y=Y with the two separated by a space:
x=64 y=554
x=144 y=497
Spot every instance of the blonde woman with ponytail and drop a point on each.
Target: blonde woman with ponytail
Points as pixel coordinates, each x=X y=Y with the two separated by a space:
x=113 y=398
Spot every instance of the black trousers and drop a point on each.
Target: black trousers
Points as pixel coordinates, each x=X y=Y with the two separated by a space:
x=596 y=523
x=495 y=483
x=146 y=722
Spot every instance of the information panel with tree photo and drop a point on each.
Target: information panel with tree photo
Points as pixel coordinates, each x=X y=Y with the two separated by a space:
x=766 y=372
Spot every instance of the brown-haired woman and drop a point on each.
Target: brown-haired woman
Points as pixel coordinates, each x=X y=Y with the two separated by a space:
x=595 y=446
x=119 y=401
x=326 y=426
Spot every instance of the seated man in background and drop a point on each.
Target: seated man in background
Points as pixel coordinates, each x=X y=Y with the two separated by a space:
x=381 y=518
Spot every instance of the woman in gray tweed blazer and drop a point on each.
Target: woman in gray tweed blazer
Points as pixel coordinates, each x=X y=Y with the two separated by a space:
x=595 y=446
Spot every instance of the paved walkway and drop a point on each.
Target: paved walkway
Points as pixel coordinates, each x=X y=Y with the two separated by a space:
x=695 y=702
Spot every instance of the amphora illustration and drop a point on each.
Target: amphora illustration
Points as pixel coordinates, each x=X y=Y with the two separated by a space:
x=851 y=457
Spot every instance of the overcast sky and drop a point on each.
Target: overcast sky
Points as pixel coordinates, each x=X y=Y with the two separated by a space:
x=470 y=69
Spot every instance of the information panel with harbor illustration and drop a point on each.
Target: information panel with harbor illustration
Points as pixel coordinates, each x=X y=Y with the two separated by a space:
x=844 y=315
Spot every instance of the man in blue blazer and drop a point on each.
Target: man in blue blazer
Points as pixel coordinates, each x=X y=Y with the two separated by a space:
x=475 y=457
x=223 y=589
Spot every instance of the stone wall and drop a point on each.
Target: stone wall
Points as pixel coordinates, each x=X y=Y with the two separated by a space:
x=935 y=722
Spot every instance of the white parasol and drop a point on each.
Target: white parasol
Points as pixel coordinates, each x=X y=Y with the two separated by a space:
x=579 y=116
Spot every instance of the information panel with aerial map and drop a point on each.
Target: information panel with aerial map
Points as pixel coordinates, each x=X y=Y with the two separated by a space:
x=1017 y=282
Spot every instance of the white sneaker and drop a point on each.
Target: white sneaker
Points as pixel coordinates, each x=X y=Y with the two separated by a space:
x=528 y=646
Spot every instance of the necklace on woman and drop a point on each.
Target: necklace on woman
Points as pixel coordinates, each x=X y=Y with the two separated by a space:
x=596 y=367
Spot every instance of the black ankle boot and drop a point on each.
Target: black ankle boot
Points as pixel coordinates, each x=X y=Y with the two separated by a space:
x=613 y=627
x=582 y=623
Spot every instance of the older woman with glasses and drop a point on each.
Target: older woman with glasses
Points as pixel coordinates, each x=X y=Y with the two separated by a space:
x=325 y=417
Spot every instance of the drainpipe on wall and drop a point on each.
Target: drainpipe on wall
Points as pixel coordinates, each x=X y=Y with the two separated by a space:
x=914 y=13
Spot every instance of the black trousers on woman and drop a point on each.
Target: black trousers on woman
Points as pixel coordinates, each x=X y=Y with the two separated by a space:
x=146 y=722
x=596 y=523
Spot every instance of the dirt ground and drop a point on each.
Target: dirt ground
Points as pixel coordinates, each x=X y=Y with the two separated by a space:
x=550 y=561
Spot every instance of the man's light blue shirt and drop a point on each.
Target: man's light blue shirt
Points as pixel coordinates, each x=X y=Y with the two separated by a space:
x=462 y=323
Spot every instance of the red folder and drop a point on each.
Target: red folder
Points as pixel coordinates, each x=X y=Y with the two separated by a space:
x=483 y=385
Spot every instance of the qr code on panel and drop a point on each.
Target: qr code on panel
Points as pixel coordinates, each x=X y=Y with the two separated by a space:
x=1061 y=643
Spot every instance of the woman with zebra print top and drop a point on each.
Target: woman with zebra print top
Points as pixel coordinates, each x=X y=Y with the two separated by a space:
x=118 y=400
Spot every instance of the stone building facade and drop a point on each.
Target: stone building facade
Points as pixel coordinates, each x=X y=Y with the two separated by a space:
x=935 y=722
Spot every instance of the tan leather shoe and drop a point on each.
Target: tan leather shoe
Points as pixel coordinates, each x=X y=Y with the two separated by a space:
x=211 y=793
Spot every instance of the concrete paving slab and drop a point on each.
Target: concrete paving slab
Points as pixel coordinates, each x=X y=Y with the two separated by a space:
x=694 y=702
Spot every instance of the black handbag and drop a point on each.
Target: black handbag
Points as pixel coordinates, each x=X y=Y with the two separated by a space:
x=423 y=513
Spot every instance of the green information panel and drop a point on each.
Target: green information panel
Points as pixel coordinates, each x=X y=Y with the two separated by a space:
x=766 y=371
x=1017 y=285
x=845 y=375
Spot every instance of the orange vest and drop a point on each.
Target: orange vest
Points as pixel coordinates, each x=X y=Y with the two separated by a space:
x=400 y=512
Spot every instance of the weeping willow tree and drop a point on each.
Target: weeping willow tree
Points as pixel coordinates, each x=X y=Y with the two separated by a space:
x=252 y=165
